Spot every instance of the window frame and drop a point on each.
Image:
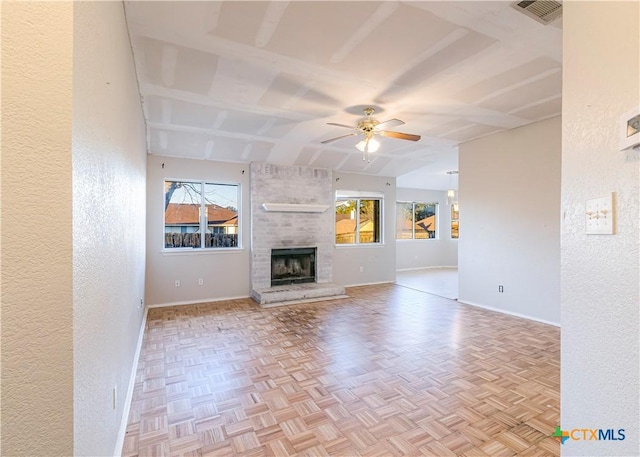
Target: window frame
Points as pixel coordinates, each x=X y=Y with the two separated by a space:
x=203 y=218
x=358 y=196
x=413 y=221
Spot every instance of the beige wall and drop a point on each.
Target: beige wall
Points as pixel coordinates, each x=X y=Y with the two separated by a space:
x=37 y=288
x=440 y=252
x=378 y=262
x=600 y=273
x=510 y=221
x=109 y=204
x=225 y=273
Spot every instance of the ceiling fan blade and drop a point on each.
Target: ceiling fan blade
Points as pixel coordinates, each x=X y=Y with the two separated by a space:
x=341 y=125
x=400 y=136
x=338 y=137
x=390 y=123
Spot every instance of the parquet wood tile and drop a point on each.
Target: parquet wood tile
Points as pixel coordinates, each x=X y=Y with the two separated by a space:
x=389 y=371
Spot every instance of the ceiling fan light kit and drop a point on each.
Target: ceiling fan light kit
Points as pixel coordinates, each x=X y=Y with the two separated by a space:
x=370 y=127
x=366 y=146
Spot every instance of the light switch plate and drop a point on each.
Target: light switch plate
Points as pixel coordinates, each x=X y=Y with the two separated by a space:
x=599 y=215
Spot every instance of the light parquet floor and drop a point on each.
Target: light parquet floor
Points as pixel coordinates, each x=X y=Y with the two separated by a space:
x=390 y=371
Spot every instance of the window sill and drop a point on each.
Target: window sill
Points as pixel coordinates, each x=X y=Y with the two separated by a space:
x=360 y=245
x=191 y=251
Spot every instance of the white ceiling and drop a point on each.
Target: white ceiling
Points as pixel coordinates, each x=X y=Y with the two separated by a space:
x=258 y=81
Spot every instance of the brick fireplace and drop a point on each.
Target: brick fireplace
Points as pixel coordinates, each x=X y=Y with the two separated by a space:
x=291 y=208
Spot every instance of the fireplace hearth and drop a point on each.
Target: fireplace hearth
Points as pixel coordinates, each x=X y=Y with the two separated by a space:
x=293 y=266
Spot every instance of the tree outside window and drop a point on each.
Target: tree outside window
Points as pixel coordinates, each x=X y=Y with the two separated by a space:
x=358 y=221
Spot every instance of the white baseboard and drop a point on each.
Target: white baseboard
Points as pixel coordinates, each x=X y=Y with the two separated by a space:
x=498 y=310
x=196 y=302
x=369 y=284
x=426 y=268
x=132 y=381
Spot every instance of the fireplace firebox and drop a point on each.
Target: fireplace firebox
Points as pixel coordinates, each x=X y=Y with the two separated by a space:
x=293 y=266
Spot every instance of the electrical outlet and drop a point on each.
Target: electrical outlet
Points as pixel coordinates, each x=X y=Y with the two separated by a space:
x=361 y=269
x=177 y=283
x=200 y=281
x=500 y=289
x=141 y=303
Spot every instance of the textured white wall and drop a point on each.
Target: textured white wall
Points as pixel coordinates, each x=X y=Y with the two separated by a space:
x=440 y=252
x=600 y=273
x=37 y=345
x=510 y=221
x=109 y=174
x=225 y=273
x=377 y=261
x=37 y=290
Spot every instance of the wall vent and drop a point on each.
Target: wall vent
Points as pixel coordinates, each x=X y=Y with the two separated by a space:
x=543 y=11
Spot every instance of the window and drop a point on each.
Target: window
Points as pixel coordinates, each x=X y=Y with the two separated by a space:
x=193 y=208
x=416 y=220
x=455 y=220
x=358 y=219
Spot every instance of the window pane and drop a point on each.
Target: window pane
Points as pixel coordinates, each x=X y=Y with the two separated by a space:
x=404 y=221
x=455 y=215
x=369 y=221
x=345 y=221
x=221 y=202
x=425 y=220
x=182 y=204
x=183 y=219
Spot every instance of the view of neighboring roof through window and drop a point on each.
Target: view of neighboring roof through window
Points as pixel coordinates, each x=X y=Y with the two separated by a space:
x=193 y=208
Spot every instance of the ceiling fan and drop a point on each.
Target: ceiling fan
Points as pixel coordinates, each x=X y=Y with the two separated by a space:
x=370 y=127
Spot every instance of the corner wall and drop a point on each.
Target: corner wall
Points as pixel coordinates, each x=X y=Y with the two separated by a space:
x=440 y=252
x=37 y=262
x=600 y=273
x=109 y=174
x=225 y=273
x=509 y=186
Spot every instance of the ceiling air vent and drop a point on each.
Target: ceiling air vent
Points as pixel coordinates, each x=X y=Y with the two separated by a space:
x=543 y=11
